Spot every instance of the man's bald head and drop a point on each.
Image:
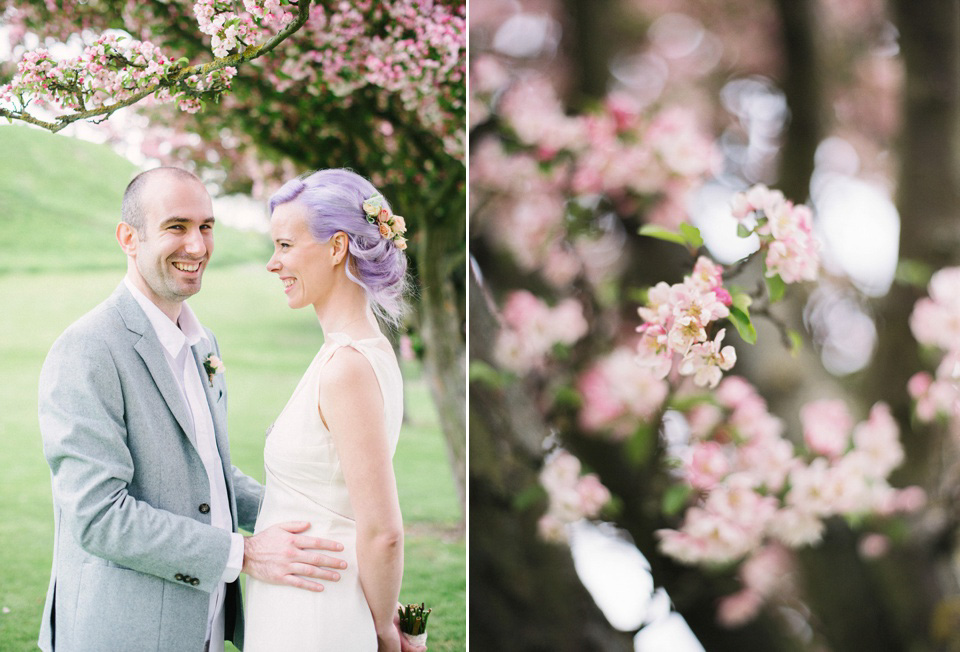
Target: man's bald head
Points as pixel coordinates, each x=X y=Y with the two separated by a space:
x=133 y=210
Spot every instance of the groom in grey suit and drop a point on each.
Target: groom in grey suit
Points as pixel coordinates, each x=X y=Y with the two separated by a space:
x=146 y=502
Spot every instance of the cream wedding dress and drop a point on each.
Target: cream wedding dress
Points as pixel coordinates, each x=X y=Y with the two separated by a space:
x=304 y=482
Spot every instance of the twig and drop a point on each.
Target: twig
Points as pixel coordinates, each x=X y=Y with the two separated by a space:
x=764 y=311
x=737 y=269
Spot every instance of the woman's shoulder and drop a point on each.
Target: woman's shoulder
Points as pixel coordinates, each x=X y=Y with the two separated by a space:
x=346 y=381
x=347 y=363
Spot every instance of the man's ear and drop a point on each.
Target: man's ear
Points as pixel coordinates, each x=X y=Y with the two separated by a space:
x=127 y=237
x=340 y=242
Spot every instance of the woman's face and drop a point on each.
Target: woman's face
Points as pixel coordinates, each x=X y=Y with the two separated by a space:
x=306 y=267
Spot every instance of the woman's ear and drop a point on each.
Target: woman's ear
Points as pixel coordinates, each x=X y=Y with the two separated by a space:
x=340 y=243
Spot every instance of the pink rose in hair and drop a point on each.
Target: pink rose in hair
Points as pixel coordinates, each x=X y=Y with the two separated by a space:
x=384 y=215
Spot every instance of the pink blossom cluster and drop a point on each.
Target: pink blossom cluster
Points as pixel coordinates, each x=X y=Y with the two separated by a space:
x=663 y=155
x=618 y=394
x=620 y=151
x=413 y=51
x=108 y=71
x=533 y=111
x=785 y=230
x=677 y=319
x=531 y=329
x=767 y=573
x=444 y=85
x=621 y=155
x=229 y=30
x=935 y=322
x=752 y=487
x=572 y=496
x=524 y=210
x=487 y=76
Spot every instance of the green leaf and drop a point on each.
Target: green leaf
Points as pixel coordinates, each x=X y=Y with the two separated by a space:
x=654 y=231
x=529 y=497
x=567 y=396
x=639 y=447
x=741 y=299
x=638 y=295
x=775 y=287
x=743 y=231
x=675 y=499
x=913 y=272
x=796 y=342
x=686 y=403
x=482 y=373
x=692 y=235
x=741 y=321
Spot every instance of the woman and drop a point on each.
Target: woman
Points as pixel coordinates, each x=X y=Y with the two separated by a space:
x=328 y=456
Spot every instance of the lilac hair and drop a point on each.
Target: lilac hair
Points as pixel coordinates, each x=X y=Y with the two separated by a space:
x=334 y=202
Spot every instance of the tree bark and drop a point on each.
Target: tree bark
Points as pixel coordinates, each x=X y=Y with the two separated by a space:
x=589 y=45
x=928 y=201
x=802 y=85
x=525 y=594
x=442 y=320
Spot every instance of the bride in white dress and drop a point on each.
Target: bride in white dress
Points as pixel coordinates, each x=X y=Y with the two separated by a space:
x=328 y=456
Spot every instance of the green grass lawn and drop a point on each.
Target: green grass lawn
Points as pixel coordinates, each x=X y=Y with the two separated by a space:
x=54 y=266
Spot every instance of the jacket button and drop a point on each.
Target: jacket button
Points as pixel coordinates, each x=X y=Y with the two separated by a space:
x=194 y=581
x=204 y=508
x=178 y=577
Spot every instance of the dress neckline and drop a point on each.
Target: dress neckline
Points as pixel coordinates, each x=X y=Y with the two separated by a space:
x=343 y=339
x=345 y=336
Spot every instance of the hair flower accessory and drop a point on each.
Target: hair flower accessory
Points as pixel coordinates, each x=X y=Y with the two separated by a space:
x=213 y=366
x=392 y=227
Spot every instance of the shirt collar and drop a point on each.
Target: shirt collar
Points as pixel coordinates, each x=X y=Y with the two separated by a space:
x=172 y=338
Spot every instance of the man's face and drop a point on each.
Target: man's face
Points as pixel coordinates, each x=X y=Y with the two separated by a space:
x=177 y=239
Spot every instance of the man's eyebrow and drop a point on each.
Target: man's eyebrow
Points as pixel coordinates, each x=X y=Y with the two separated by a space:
x=185 y=220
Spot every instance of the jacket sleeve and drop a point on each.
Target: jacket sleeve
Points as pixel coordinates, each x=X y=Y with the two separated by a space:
x=85 y=442
x=248 y=493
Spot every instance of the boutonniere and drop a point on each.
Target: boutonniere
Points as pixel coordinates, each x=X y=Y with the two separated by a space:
x=214 y=366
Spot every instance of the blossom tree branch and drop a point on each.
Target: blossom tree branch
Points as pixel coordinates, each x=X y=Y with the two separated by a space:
x=172 y=77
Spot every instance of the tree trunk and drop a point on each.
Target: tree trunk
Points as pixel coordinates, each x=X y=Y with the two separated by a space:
x=442 y=323
x=802 y=87
x=928 y=193
x=525 y=594
x=589 y=45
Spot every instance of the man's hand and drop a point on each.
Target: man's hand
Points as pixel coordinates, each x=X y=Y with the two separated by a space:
x=405 y=645
x=280 y=555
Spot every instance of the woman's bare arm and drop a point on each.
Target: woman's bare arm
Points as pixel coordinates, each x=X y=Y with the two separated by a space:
x=352 y=406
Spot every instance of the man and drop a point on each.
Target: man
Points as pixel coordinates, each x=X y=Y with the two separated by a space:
x=146 y=502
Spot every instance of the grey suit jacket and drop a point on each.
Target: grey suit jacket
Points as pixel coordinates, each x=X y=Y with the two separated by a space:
x=135 y=557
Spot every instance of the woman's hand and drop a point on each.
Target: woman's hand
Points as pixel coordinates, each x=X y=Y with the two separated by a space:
x=405 y=644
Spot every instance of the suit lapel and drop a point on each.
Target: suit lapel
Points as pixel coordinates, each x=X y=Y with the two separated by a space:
x=213 y=392
x=151 y=351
